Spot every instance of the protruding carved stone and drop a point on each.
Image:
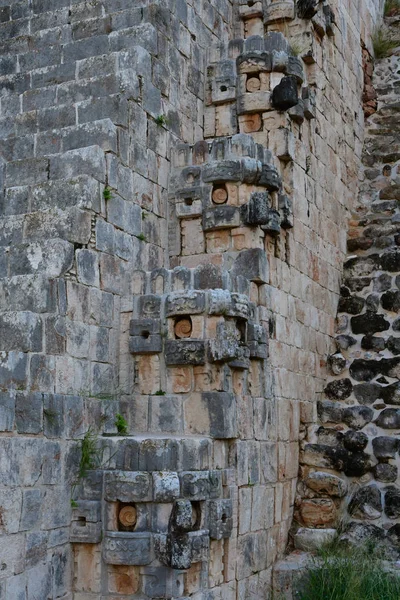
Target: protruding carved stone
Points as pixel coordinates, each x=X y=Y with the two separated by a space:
x=183 y=328
x=219 y=195
x=128 y=516
x=253 y=84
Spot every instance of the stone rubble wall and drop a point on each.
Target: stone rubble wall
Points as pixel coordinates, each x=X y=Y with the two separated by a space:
x=350 y=459
x=177 y=179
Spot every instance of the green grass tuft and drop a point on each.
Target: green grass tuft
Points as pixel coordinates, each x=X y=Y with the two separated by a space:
x=160 y=393
x=142 y=237
x=89 y=453
x=161 y=120
x=121 y=424
x=340 y=572
x=392 y=8
x=382 y=42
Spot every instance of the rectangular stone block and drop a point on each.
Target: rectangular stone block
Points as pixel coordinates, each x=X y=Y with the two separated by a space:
x=128 y=486
x=88 y=510
x=185 y=352
x=222 y=412
x=148 y=307
x=201 y=485
x=220 y=521
x=145 y=344
x=84 y=532
x=7 y=411
x=185 y=303
x=144 y=326
x=222 y=217
x=29 y=413
x=163 y=582
x=126 y=548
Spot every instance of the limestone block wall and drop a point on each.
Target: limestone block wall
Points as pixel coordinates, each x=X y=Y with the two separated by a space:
x=84 y=172
x=350 y=461
x=176 y=181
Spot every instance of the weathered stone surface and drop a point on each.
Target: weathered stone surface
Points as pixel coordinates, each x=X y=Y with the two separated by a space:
x=126 y=548
x=385 y=447
x=185 y=352
x=357 y=416
x=366 y=503
x=389 y=418
x=340 y=389
x=369 y=323
x=355 y=441
x=319 y=512
x=128 y=486
x=326 y=483
x=392 y=502
x=285 y=95
x=313 y=539
x=385 y=472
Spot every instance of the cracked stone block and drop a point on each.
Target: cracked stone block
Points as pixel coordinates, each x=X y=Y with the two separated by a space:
x=226 y=344
x=220 y=519
x=166 y=487
x=127 y=548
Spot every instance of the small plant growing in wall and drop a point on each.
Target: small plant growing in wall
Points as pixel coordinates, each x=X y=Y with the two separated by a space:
x=161 y=120
x=382 y=42
x=160 y=393
x=107 y=193
x=121 y=424
x=142 y=237
x=392 y=8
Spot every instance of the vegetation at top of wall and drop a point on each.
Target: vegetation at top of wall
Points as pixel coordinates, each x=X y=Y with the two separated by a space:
x=382 y=42
x=392 y=8
x=339 y=572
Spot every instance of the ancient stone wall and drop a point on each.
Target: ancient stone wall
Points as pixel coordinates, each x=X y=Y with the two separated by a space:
x=176 y=178
x=350 y=459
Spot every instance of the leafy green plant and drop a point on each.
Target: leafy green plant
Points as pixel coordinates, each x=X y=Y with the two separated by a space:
x=161 y=120
x=392 y=8
x=89 y=453
x=339 y=572
x=382 y=42
x=141 y=237
x=121 y=424
x=160 y=393
x=107 y=193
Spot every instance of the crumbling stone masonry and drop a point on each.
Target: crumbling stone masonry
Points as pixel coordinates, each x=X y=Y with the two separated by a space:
x=350 y=458
x=177 y=179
